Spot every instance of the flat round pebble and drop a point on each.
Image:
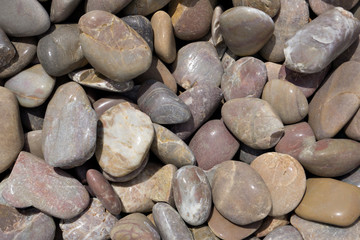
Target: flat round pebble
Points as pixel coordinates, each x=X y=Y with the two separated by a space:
x=284 y=233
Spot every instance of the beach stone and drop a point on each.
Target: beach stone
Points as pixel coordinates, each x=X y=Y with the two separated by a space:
x=245 y=78
x=202 y=100
x=192 y=195
x=216 y=36
x=242 y=40
x=311 y=230
x=33 y=143
x=326 y=118
x=135 y=226
x=7 y=50
x=103 y=191
x=213 y=144
x=285 y=178
x=225 y=229
x=114 y=42
x=184 y=13
x=170 y=149
x=284 y=233
x=106 y=5
x=93 y=223
x=337 y=202
x=164 y=39
x=272 y=70
x=23 y=18
x=197 y=63
x=270 y=7
x=352 y=129
x=103 y=104
x=142 y=26
x=270 y=224
x=11 y=132
x=352 y=177
x=287 y=100
x=31 y=86
x=69 y=131
x=144 y=7
x=203 y=233
x=25 y=224
x=169 y=223
x=153 y=184
x=33 y=118
x=93 y=79
x=25 y=52
x=161 y=104
x=33 y=182
x=59 y=52
x=321 y=6
x=123 y=139
x=61 y=9
x=248 y=154
x=256 y=124
x=239 y=193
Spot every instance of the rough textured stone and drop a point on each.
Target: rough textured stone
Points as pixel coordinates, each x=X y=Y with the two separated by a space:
x=203 y=233
x=270 y=224
x=33 y=143
x=284 y=233
x=321 y=6
x=69 y=131
x=7 y=50
x=144 y=7
x=113 y=6
x=270 y=7
x=61 y=9
x=142 y=26
x=32 y=182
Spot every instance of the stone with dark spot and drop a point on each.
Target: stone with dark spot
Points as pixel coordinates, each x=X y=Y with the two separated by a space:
x=142 y=26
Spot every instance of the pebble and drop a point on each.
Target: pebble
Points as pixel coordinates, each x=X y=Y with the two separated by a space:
x=272 y=70
x=284 y=233
x=352 y=53
x=352 y=130
x=69 y=131
x=61 y=9
x=321 y=6
x=31 y=86
x=248 y=154
x=103 y=104
x=33 y=182
x=270 y=224
x=112 y=6
x=352 y=177
x=271 y=7
x=144 y=7
x=33 y=143
x=142 y=26
x=7 y=50
x=203 y=233
x=216 y=36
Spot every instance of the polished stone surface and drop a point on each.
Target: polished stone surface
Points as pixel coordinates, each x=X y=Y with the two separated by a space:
x=144 y=7
x=113 y=6
x=272 y=70
x=352 y=129
x=353 y=177
x=61 y=9
x=142 y=26
x=321 y=6
x=103 y=104
x=284 y=233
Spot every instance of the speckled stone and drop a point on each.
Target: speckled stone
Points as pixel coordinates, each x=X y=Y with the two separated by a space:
x=93 y=223
x=245 y=78
x=112 y=47
x=7 y=50
x=134 y=226
x=69 y=131
x=197 y=63
x=284 y=233
x=144 y=7
x=271 y=223
x=113 y=6
x=33 y=143
x=11 y=132
x=142 y=26
x=203 y=233
x=213 y=144
x=285 y=178
x=269 y=7
x=31 y=86
x=25 y=224
x=239 y=193
x=255 y=123
x=32 y=182
x=352 y=177
x=169 y=223
x=170 y=149
x=61 y=9
x=153 y=184
x=192 y=195
x=321 y=6
x=119 y=156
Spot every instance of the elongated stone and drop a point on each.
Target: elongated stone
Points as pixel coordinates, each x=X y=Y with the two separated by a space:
x=192 y=195
x=113 y=6
x=283 y=233
x=33 y=143
x=170 y=149
x=144 y=7
x=311 y=50
x=33 y=182
x=270 y=7
x=69 y=131
x=61 y=9
x=7 y=50
x=112 y=47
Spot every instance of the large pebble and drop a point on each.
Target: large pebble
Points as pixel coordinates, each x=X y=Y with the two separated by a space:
x=7 y=50
x=61 y=9
x=113 y=6
x=284 y=233
x=270 y=7
x=144 y=7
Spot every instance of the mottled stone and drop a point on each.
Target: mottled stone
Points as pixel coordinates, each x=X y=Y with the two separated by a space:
x=285 y=178
x=103 y=104
x=197 y=63
x=170 y=149
x=169 y=223
x=184 y=13
x=284 y=233
x=7 y=50
x=213 y=144
x=225 y=229
x=153 y=184
x=164 y=39
x=113 y=6
x=31 y=86
x=32 y=182
x=270 y=7
x=203 y=233
x=311 y=50
x=23 y=18
x=352 y=178
x=243 y=40
x=248 y=154
x=33 y=118
x=123 y=139
x=287 y=100
x=11 y=132
x=321 y=6
x=202 y=100
x=192 y=195
x=69 y=131
x=134 y=226
x=144 y=7
x=142 y=26
x=272 y=70
x=61 y=9
x=255 y=123
x=161 y=104
x=103 y=191
x=270 y=224
x=112 y=47
x=33 y=143
x=93 y=223
x=245 y=78
x=336 y=202
x=25 y=224
x=239 y=193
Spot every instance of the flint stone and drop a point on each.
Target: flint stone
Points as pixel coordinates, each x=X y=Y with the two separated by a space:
x=33 y=182
x=113 y=6
x=284 y=233
x=7 y=50
x=142 y=26
x=269 y=7
x=33 y=143
x=321 y=6
x=144 y=7
x=61 y=9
